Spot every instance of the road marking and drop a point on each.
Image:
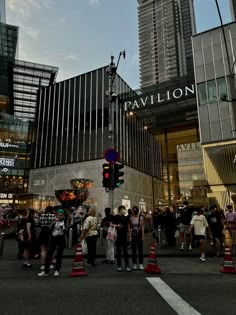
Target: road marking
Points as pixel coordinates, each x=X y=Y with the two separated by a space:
x=179 y=305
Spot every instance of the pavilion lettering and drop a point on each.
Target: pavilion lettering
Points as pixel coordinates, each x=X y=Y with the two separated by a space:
x=160 y=98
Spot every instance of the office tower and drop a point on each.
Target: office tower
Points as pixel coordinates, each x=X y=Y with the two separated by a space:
x=165 y=48
x=2 y=11
x=233 y=9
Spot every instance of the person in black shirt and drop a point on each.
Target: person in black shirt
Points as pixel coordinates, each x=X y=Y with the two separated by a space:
x=121 y=221
x=29 y=237
x=185 y=218
x=216 y=224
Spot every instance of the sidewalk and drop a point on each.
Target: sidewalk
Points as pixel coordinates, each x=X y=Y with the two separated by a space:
x=10 y=250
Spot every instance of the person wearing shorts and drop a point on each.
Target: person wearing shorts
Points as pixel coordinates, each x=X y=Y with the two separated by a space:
x=184 y=225
x=199 y=224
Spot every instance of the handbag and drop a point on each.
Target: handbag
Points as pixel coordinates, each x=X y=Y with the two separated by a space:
x=112 y=233
x=84 y=247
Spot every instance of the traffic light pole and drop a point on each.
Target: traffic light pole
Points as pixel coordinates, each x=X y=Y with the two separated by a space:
x=112 y=99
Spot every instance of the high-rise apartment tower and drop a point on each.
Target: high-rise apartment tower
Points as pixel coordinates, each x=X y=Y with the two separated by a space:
x=233 y=9
x=165 y=48
x=2 y=11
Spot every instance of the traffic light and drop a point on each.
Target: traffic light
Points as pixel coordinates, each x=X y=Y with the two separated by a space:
x=117 y=174
x=107 y=176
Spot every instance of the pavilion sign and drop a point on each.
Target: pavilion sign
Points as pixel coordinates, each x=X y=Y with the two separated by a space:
x=159 y=98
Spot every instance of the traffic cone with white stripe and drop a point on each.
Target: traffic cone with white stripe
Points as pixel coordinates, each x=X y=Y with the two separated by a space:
x=228 y=266
x=152 y=266
x=78 y=265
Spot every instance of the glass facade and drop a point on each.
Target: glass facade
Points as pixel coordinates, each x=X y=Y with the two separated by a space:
x=73 y=123
x=165 y=30
x=8 y=48
x=28 y=77
x=214 y=62
x=15 y=148
x=215 y=79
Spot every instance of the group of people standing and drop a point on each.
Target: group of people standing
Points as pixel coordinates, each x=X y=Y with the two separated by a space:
x=126 y=229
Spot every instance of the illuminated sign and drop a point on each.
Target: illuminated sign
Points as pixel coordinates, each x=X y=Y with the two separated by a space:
x=39 y=182
x=7 y=162
x=6 y=196
x=159 y=98
x=8 y=145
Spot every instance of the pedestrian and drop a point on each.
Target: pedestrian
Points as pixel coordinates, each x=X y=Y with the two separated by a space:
x=121 y=221
x=199 y=224
x=136 y=232
x=157 y=221
x=170 y=225
x=20 y=225
x=57 y=242
x=90 y=234
x=29 y=236
x=216 y=225
x=45 y=221
x=109 y=247
x=185 y=217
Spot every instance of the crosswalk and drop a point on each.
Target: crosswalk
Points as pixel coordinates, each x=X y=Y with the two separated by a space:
x=179 y=305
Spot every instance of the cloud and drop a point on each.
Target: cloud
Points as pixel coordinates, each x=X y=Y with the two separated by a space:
x=32 y=32
x=70 y=56
x=94 y=2
x=24 y=9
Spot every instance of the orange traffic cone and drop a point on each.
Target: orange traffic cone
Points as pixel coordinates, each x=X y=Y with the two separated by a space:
x=152 y=266
x=228 y=266
x=78 y=266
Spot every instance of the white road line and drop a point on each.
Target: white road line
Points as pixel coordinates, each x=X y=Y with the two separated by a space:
x=173 y=299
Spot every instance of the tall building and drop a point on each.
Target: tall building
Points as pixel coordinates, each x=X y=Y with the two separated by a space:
x=165 y=48
x=72 y=134
x=2 y=11
x=216 y=95
x=233 y=9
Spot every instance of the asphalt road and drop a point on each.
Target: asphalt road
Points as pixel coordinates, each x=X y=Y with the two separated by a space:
x=200 y=288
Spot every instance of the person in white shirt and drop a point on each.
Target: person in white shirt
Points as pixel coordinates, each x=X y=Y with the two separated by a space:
x=200 y=225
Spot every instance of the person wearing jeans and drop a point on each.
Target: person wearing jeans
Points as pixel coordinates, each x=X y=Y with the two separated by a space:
x=121 y=222
x=57 y=242
x=136 y=232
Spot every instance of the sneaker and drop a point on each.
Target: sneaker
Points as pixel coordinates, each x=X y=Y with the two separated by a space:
x=56 y=273
x=42 y=267
x=119 y=269
x=42 y=274
x=51 y=267
x=190 y=247
x=182 y=246
x=27 y=265
x=127 y=269
x=203 y=258
x=134 y=267
x=141 y=267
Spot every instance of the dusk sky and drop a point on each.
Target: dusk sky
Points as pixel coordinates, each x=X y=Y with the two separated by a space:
x=80 y=35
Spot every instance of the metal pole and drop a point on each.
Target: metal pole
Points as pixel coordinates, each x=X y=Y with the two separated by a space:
x=70 y=237
x=2 y=237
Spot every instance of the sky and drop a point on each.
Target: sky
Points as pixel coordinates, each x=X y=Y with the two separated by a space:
x=80 y=35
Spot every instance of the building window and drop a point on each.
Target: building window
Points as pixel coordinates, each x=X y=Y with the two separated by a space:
x=211 y=88
x=221 y=85
x=202 y=95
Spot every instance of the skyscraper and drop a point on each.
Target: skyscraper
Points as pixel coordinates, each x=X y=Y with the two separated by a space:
x=233 y=9
x=2 y=11
x=165 y=48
